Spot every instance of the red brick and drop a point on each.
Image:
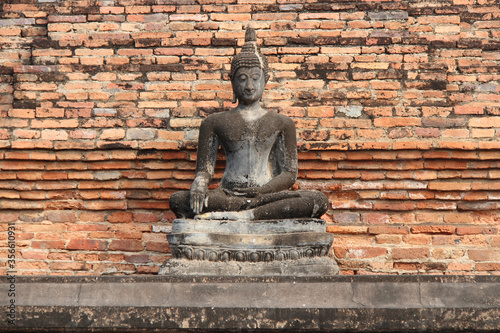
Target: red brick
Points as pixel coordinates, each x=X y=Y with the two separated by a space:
x=106 y=268
x=377 y=230
x=365 y=252
x=87 y=244
x=468 y=109
x=388 y=239
x=106 y=205
x=477 y=206
x=137 y=258
x=495 y=240
x=449 y=186
x=396 y=122
x=120 y=217
x=485 y=122
x=32 y=265
x=487 y=266
x=49 y=244
x=476 y=230
x=148 y=270
x=433 y=229
x=459 y=218
x=410 y=253
x=36 y=255
x=397 y=206
x=417 y=239
x=375 y=218
x=158 y=247
x=127 y=245
x=345 y=174
x=484 y=254
x=475 y=196
x=61 y=216
x=407 y=266
x=72 y=266
x=10 y=31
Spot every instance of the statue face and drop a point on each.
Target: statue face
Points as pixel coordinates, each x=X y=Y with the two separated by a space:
x=248 y=84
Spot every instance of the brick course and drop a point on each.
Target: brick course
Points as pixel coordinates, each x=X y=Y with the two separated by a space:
x=397 y=107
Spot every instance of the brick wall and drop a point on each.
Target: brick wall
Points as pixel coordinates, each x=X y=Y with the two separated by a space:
x=397 y=107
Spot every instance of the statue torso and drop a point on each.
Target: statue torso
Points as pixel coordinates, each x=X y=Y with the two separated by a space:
x=250 y=148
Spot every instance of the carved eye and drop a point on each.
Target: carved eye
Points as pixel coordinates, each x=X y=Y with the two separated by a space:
x=256 y=77
x=242 y=77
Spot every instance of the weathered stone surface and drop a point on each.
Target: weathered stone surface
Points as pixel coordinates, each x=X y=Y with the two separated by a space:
x=249 y=226
x=316 y=266
x=249 y=240
x=338 y=303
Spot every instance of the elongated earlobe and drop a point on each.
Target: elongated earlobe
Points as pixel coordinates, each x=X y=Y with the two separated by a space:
x=235 y=98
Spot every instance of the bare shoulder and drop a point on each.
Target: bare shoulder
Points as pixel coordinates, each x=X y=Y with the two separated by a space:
x=215 y=119
x=281 y=119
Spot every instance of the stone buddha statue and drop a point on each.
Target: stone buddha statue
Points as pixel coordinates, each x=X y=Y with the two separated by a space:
x=261 y=156
x=252 y=224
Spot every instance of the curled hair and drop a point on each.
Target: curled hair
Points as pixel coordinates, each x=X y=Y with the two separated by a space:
x=250 y=56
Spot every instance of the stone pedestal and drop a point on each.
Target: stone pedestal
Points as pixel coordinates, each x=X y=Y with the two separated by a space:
x=296 y=247
x=174 y=304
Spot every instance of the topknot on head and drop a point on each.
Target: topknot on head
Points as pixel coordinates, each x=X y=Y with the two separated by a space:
x=250 y=34
x=250 y=55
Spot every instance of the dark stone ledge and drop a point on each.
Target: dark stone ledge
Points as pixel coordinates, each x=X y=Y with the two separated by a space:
x=202 y=304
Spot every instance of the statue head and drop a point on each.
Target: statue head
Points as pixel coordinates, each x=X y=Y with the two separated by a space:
x=249 y=70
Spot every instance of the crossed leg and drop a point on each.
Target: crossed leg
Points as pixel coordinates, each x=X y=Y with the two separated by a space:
x=287 y=204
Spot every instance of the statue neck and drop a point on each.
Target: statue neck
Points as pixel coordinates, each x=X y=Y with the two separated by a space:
x=251 y=112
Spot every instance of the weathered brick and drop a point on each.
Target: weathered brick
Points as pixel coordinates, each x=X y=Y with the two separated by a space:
x=433 y=229
x=189 y=17
x=410 y=253
x=127 y=245
x=388 y=230
x=485 y=122
x=106 y=205
x=120 y=217
x=87 y=244
x=449 y=186
x=375 y=218
x=417 y=239
x=484 y=254
x=396 y=122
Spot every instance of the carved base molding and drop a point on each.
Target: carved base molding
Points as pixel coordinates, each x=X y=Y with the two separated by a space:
x=249 y=241
x=315 y=266
x=288 y=247
x=252 y=255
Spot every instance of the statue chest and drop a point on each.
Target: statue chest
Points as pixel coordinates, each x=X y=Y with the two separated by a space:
x=247 y=160
x=250 y=145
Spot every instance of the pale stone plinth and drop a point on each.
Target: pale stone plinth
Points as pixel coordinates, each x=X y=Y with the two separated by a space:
x=295 y=247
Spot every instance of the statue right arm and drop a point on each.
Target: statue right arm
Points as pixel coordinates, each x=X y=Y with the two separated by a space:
x=205 y=165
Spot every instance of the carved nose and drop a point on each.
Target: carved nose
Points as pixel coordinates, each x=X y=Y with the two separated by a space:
x=249 y=88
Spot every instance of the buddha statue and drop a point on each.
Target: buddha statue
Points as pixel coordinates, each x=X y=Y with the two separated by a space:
x=253 y=224
x=261 y=156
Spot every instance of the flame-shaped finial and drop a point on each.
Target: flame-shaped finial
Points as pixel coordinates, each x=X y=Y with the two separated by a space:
x=250 y=35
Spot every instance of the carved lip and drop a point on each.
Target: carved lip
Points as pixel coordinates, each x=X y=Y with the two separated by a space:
x=245 y=241
x=250 y=226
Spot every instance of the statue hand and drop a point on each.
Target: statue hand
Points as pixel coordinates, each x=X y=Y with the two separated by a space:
x=197 y=200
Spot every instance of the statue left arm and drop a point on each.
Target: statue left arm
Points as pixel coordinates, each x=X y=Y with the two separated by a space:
x=288 y=165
